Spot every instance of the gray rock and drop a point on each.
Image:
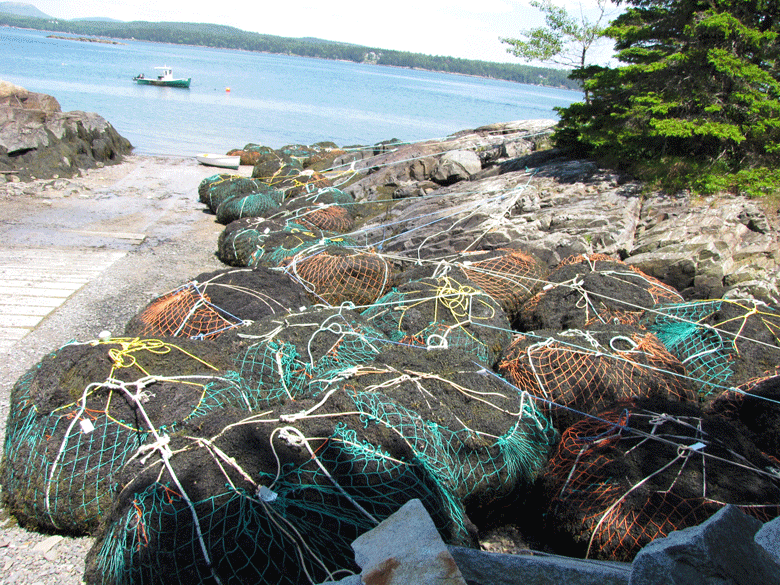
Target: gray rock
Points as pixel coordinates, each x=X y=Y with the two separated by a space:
x=458 y=165
x=768 y=537
x=406 y=548
x=713 y=245
x=553 y=207
x=38 y=140
x=721 y=550
x=482 y=568
x=385 y=170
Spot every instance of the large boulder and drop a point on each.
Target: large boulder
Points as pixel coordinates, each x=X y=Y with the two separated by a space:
x=707 y=246
x=39 y=140
x=721 y=550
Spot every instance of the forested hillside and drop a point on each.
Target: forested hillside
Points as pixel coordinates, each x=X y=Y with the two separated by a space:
x=212 y=35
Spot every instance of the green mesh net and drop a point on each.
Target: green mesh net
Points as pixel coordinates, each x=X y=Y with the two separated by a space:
x=719 y=341
x=215 y=189
x=277 y=494
x=73 y=426
x=260 y=204
x=443 y=312
x=257 y=242
x=304 y=352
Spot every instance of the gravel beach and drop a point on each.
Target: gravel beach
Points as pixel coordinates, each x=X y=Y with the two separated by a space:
x=144 y=210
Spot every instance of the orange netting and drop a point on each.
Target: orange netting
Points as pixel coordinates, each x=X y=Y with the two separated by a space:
x=660 y=292
x=332 y=218
x=185 y=312
x=616 y=500
x=586 y=371
x=509 y=278
x=583 y=290
x=336 y=275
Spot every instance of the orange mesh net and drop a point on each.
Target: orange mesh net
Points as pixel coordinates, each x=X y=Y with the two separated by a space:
x=338 y=275
x=509 y=278
x=332 y=218
x=185 y=312
x=588 y=371
x=583 y=290
x=618 y=482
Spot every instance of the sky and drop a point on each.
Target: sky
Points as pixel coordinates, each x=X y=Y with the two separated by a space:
x=468 y=29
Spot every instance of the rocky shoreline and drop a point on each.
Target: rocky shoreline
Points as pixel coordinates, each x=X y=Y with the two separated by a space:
x=40 y=141
x=489 y=188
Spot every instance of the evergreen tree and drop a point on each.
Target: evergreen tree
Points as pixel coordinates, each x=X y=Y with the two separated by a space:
x=697 y=103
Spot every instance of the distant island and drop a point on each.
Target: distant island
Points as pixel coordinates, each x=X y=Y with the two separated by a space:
x=15 y=14
x=85 y=39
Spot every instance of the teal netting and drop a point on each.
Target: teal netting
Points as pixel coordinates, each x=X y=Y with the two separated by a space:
x=55 y=475
x=72 y=428
x=298 y=482
x=700 y=347
x=299 y=530
x=443 y=313
x=304 y=353
x=258 y=204
x=271 y=246
x=216 y=189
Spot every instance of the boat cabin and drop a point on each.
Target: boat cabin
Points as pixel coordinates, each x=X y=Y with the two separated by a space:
x=166 y=75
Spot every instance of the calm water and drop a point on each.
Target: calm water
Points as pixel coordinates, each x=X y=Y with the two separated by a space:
x=273 y=100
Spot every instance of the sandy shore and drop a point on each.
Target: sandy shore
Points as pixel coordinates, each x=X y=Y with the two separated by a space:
x=147 y=210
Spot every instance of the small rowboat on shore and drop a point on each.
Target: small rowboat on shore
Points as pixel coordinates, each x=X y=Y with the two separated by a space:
x=219 y=160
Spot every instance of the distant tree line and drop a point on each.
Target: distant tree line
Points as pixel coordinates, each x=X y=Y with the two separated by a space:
x=226 y=37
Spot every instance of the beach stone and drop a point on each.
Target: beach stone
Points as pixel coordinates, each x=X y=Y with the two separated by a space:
x=720 y=550
x=406 y=548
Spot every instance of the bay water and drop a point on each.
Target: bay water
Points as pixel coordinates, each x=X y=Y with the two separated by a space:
x=239 y=97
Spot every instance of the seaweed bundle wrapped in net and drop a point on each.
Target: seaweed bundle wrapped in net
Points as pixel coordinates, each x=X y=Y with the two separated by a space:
x=257 y=242
x=215 y=302
x=75 y=422
x=576 y=372
x=585 y=290
x=301 y=353
x=278 y=496
x=443 y=312
x=263 y=202
x=335 y=274
x=643 y=470
x=723 y=343
x=215 y=189
x=509 y=276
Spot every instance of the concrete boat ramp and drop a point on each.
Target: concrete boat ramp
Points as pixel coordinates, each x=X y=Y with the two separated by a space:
x=81 y=255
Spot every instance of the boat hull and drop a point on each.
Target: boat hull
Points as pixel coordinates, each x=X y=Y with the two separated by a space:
x=219 y=160
x=163 y=83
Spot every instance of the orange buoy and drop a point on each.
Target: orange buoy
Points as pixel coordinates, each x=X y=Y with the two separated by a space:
x=227 y=89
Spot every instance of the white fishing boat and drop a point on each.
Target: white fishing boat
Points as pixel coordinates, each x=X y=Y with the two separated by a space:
x=164 y=79
x=219 y=160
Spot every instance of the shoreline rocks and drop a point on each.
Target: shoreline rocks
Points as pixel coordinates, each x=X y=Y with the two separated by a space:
x=40 y=141
x=530 y=197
